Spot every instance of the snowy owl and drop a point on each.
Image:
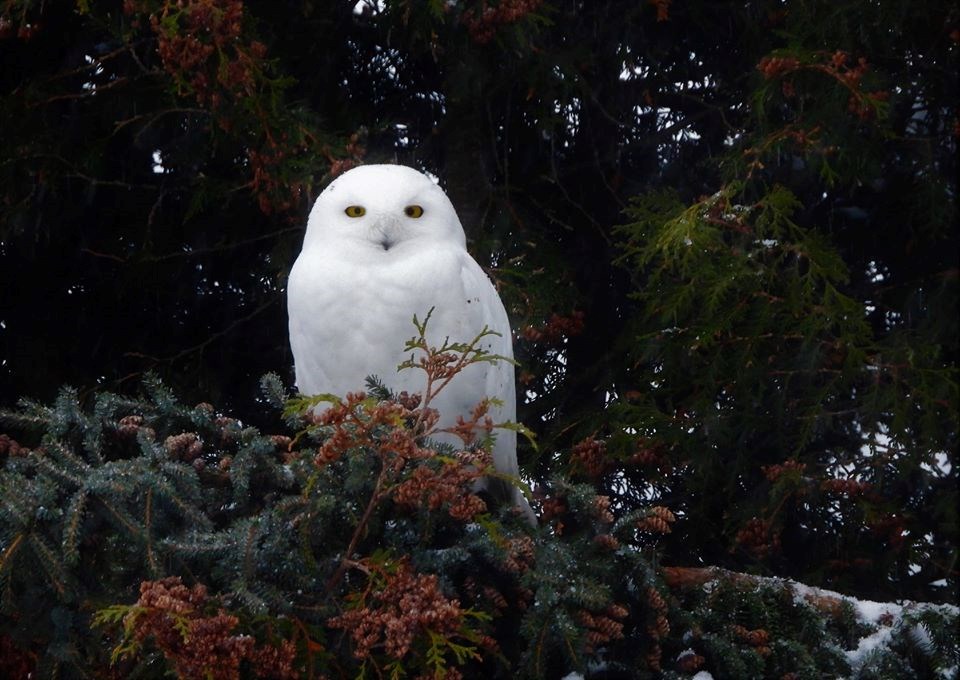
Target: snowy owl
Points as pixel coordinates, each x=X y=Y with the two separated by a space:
x=383 y=243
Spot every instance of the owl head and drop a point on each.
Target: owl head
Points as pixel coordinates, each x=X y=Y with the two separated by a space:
x=383 y=208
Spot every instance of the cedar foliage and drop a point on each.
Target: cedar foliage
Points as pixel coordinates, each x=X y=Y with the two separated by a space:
x=341 y=544
x=344 y=552
x=725 y=233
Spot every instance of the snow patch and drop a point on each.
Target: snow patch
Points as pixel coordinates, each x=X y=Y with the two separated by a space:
x=868 y=644
x=888 y=617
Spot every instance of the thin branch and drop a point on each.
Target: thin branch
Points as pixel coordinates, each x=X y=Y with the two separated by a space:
x=82 y=95
x=225 y=331
x=148 y=522
x=688 y=578
x=194 y=252
x=152 y=118
x=228 y=246
x=583 y=211
x=95 y=64
x=201 y=346
x=106 y=256
x=346 y=561
x=11 y=549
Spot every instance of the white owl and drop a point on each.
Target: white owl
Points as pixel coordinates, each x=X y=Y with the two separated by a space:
x=383 y=244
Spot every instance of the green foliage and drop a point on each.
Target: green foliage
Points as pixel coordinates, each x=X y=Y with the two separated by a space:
x=765 y=628
x=293 y=538
x=726 y=236
x=788 y=368
x=790 y=380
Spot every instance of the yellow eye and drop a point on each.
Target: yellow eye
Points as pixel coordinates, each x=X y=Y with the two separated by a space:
x=413 y=211
x=355 y=211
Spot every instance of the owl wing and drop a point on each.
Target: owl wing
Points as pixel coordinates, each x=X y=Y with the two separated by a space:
x=486 y=310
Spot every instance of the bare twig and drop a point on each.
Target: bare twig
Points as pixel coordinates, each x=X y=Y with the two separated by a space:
x=346 y=561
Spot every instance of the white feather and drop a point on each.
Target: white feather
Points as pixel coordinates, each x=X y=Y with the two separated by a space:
x=359 y=281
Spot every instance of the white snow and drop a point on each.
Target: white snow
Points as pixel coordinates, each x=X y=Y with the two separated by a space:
x=885 y=618
x=920 y=635
x=887 y=615
x=857 y=656
x=867 y=610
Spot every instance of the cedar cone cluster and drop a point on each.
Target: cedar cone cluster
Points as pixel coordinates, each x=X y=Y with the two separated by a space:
x=839 y=66
x=198 y=645
x=757 y=539
x=657 y=521
x=129 y=426
x=791 y=466
x=606 y=542
x=772 y=67
x=602 y=627
x=353 y=422
x=650 y=454
x=185 y=446
x=658 y=628
x=483 y=24
x=199 y=42
x=556 y=329
x=488 y=595
x=202 y=46
x=759 y=639
x=441 y=366
x=663 y=9
x=891 y=528
x=601 y=509
x=847 y=487
x=551 y=508
x=450 y=485
x=590 y=457
x=407 y=606
x=495 y=597
x=355 y=152
x=282 y=443
x=467 y=430
x=229 y=428
x=520 y=555
x=10 y=447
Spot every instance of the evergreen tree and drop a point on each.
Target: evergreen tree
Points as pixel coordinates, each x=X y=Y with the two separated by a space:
x=726 y=236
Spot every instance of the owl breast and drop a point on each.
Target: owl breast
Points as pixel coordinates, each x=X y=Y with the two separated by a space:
x=330 y=315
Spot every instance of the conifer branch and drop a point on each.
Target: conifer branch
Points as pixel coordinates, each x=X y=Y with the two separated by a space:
x=358 y=533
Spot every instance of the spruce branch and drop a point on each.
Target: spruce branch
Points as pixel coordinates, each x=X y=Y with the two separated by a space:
x=71 y=533
x=375 y=498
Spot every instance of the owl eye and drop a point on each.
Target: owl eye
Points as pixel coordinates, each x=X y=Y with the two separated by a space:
x=413 y=211
x=355 y=211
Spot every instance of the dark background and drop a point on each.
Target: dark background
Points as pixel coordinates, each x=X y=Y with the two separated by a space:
x=157 y=167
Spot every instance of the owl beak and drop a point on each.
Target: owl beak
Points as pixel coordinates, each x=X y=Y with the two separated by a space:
x=386 y=232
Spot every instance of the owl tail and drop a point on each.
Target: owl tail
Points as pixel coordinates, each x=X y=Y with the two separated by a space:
x=521 y=503
x=503 y=491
